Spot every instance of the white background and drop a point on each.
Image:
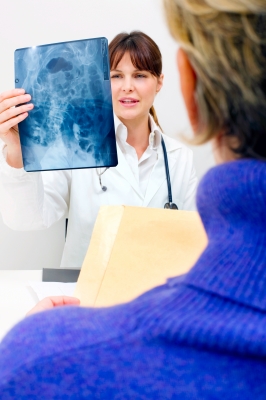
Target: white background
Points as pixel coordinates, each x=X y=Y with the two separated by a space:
x=29 y=23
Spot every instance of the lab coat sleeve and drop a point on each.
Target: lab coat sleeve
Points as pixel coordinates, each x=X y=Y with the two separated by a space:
x=32 y=200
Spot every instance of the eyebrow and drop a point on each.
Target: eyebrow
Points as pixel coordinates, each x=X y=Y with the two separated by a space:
x=135 y=70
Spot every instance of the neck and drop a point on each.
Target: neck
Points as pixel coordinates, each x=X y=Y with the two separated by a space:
x=222 y=149
x=138 y=131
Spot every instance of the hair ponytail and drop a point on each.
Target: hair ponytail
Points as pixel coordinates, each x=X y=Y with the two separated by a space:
x=154 y=116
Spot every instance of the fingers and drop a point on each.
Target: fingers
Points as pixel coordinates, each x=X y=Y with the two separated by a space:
x=10 y=115
x=64 y=300
x=14 y=112
x=8 y=102
x=54 y=301
x=6 y=126
x=11 y=93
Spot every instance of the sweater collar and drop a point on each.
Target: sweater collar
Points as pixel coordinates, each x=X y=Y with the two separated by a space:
x=231 y=200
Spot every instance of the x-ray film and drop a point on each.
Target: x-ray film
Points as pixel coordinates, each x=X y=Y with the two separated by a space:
x=72 y=124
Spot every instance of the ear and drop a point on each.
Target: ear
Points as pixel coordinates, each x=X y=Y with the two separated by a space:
x=188 y=81
x=159 y=83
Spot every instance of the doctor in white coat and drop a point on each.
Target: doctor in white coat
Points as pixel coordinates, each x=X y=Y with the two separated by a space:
x=32 y=201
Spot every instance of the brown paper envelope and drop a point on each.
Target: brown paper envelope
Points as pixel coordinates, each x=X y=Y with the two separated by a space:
x=134 y=249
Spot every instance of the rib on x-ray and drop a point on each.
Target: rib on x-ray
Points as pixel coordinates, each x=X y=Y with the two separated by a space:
x=72 y=124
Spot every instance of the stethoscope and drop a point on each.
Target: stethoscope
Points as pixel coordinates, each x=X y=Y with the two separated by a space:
x=170 y=204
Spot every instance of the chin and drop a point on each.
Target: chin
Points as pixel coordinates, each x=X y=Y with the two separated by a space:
x=129 y=114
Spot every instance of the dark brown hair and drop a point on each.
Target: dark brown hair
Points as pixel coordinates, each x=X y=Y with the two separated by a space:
x=144 y=53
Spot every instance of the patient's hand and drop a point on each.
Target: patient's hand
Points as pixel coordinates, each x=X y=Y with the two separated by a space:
x=55 y=301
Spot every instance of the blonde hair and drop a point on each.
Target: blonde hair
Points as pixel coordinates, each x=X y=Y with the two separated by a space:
x=225 y=41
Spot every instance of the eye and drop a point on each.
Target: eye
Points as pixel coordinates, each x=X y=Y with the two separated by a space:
x=140 y=76
x=115 y=76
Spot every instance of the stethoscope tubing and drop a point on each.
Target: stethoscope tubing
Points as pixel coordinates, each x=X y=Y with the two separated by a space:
x=167 y=172
x=170 y=204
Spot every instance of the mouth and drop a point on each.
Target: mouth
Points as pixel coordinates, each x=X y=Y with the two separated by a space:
x=128 y=102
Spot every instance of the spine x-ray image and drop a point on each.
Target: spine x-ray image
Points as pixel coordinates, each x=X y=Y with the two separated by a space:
x=71 y=125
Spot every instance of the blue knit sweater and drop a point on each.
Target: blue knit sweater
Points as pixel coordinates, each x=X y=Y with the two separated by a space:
x=202 y=336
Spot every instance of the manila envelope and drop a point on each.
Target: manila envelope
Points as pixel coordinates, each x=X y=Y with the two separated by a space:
x=134 y=249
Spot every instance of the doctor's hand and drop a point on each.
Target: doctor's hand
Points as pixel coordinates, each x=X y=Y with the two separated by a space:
x=11 y=113
x=55 y=301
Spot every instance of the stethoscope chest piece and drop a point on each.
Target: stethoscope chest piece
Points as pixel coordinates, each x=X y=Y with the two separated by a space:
x=171 y=206
x=104 y=188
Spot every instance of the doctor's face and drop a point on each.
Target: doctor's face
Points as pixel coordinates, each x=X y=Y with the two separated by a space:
x=133 y=91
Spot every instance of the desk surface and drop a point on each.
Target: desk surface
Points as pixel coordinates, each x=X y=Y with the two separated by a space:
x=16 y=297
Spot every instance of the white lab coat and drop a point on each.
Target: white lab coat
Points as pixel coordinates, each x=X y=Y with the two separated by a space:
x=30 y=201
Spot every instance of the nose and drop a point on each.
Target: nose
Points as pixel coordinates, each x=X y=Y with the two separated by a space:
x=128 y=86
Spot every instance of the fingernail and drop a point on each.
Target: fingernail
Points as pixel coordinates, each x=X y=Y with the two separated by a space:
x=21 y=91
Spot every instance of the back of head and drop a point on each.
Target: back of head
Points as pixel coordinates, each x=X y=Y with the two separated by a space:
x=225 y=41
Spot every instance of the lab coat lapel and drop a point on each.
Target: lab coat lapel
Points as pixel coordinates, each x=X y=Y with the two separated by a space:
x=158 y=177
x=124 y=170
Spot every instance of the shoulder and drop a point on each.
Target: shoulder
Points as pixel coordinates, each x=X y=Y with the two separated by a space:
x=53 y=333
x=66 y=330
x=39 y=334
x=175 y=146
x=172 y=144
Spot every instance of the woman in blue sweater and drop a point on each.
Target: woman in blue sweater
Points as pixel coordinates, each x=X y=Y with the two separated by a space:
x=202 y=336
